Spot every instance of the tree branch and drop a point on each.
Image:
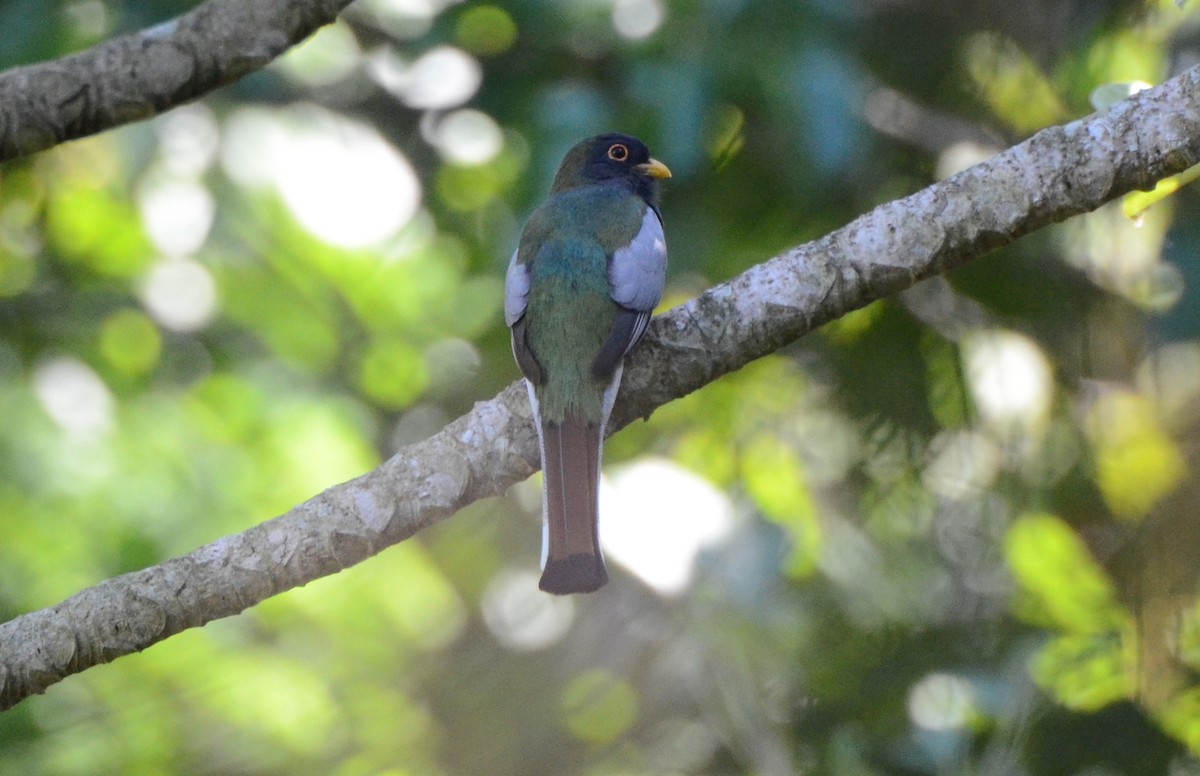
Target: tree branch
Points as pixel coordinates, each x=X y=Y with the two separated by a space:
x=139 y=75
x=1057 y=173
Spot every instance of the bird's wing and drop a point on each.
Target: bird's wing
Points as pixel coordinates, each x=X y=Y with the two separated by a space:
x=637 y=274
x=516 y=299
x=516 y=289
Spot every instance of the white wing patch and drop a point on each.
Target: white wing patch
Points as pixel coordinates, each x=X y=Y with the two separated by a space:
x=637 y=272
x=516 y=290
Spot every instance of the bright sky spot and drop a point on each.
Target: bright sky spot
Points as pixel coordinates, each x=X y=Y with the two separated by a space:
x=1109 y=94
x=1123 y=255
x=521 y=616
x=341 y=180
x=345 y=183
x=90 y=18
x=1009 y=377
x=959 y=156
x=187 y=138
x=467 y=136
x=388 y=69
x=637 y=19
x=962 y=464
x=177 y=214
x=941 y=702
x=403 y=18
x=425 y=9
x=442 y=78
x=656 y=517
x=326 y=58
x=180 y=294
x=73 y=396
x=251 y=146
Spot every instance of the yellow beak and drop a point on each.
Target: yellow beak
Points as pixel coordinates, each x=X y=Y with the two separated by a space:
x=655 y=169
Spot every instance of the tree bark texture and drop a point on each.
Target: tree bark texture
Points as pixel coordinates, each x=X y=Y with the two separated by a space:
x=136 y=76
x=1057 y=173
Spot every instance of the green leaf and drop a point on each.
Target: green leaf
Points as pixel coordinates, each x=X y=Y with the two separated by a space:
x=1060 y=578
x=598 y=707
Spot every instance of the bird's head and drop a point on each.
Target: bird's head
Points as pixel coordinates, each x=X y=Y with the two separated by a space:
x=611 y=159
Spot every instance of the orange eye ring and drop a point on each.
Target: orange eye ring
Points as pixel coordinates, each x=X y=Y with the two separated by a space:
x=618 y=152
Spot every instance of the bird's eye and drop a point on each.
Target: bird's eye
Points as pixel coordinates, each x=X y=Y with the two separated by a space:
x=618 y=152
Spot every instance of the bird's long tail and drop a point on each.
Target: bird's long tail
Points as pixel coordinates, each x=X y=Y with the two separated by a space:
x=570 y=488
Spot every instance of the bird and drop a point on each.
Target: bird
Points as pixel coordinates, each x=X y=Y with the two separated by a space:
x=587 y=273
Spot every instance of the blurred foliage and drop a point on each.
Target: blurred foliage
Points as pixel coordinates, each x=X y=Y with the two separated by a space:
x=953 y=532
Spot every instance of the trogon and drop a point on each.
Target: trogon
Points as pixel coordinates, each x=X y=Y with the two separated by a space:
x=582 y=283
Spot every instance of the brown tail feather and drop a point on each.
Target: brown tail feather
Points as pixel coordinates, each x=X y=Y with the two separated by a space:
x=571 y=477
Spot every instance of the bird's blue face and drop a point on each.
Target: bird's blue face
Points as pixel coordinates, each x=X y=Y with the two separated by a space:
x=611 y=160
x=617 y=158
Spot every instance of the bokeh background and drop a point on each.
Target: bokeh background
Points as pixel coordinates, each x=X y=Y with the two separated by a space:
x=951 y=533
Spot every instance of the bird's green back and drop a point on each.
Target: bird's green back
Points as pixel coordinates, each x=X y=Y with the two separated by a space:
x=570 y=311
